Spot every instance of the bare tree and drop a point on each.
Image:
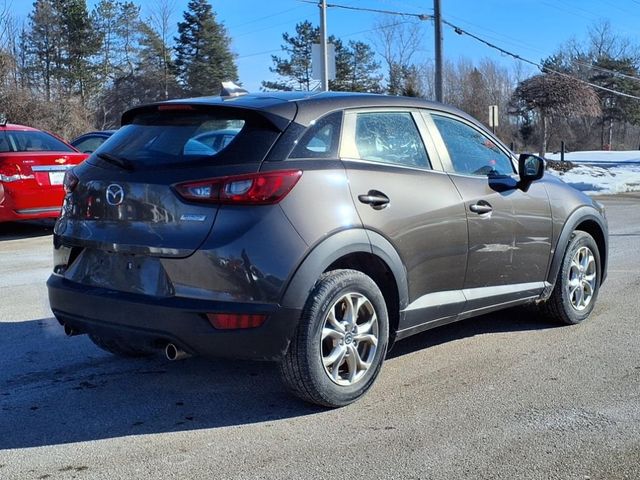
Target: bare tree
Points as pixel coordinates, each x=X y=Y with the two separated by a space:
x=398 y=43
x=160 y=19
x=604 y=42
x=553 y=95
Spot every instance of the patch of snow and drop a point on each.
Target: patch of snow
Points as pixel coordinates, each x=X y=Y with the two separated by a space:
x=594 y=180
x=601 y=172
x=598 y=156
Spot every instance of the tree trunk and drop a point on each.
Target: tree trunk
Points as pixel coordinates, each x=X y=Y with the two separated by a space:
x=543 y=134
x=609 y=147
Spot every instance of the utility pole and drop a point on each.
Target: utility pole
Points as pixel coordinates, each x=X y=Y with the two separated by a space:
x=323 y=46
x=437 y=20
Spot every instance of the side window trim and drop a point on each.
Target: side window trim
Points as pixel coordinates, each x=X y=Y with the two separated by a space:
x=349 y=150
x=443 y=152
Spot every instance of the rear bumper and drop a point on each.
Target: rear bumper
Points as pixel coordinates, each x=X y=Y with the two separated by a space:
x=29 y=203
x=157 y=321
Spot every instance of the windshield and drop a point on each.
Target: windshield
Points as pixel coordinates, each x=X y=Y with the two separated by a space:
x=31 y=141
x=173 y=137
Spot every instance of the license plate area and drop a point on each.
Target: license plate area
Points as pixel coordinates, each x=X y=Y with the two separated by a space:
x=56 y=178
x=122 y=272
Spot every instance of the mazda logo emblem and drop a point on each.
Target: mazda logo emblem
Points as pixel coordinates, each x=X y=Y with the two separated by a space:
x=114 y=194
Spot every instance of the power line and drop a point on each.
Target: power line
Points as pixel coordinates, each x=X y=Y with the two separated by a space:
x=264 y=17
x=347 y=35
x=461 y=31
x=420 y=16
x=520 y=44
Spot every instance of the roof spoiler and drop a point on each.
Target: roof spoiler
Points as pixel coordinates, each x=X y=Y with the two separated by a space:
x=231 y=90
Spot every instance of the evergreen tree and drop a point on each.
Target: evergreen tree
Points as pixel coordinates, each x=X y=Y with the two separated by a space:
x=128 y=31
x=203 y=56
x=80 y=43
x=616 y=108
x=296 y=69
x=151 y=66
x=105 y=23
x=42 y=42
x=356 y=69
x=141 y=84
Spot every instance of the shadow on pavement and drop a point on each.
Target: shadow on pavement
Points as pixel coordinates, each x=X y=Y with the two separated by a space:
x=18 y=230
x=58 y=390
x=511 y=320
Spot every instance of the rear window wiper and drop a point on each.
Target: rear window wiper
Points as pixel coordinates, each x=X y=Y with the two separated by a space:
x=115 y=160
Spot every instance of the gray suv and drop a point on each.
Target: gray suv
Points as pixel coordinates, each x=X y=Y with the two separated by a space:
x=318 y=231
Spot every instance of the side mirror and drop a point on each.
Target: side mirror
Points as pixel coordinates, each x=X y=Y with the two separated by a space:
x=530 y=168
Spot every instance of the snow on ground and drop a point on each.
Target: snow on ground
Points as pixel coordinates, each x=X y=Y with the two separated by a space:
x=601 y=172
x=598 y=156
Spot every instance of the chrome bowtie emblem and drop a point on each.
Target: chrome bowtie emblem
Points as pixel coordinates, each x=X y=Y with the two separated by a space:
x=114 y=194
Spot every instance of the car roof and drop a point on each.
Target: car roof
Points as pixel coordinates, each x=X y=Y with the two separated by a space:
x=332 y=100
x=16 y=127
x=304 y=106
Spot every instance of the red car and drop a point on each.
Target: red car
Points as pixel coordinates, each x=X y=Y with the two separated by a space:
x=32 y=168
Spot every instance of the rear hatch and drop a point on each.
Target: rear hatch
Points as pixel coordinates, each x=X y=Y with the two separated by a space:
x=128 y=197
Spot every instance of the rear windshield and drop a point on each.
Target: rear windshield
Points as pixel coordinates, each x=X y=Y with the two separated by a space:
x=174 y=137
x=31 y=141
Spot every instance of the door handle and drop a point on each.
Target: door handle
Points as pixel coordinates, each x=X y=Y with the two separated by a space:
x=376 y=199
x=481 y=207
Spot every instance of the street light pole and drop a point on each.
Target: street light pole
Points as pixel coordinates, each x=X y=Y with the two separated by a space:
x=437 y=20
x=323 y=46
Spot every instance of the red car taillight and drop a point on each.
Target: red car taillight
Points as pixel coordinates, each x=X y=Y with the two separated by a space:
x=253 y=189
x=70 y=181
x=10 y=172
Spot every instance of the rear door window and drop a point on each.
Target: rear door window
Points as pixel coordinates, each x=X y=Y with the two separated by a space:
x=390 y=137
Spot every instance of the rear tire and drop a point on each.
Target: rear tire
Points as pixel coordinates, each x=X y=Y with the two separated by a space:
x=576 y=290
x=120 y=347
x=340 y=342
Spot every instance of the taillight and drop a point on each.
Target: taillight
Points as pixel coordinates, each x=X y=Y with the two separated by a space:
x=253 y=189
x=10 y=172
x=234 y=321
x=70 y=181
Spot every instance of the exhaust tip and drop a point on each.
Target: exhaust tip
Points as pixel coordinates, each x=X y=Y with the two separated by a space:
x=69 y=331
x=174 y=353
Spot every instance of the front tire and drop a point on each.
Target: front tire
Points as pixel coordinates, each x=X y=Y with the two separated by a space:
x=578 y=282
x=340 y=342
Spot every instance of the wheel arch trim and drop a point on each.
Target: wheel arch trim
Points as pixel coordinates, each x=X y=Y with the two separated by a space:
x=333 y=248
x=578 y=217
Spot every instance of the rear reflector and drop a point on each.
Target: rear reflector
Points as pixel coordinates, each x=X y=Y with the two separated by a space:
x=234 y=321
x=253 y=189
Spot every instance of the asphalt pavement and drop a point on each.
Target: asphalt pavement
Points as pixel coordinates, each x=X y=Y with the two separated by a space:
x=505 y=396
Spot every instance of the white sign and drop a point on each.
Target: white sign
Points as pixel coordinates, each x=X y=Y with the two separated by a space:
x=493 y=115
x=316 y=61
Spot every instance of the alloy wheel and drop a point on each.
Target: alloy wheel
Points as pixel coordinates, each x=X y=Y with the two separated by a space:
x=349 y=339
x=582 y=278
